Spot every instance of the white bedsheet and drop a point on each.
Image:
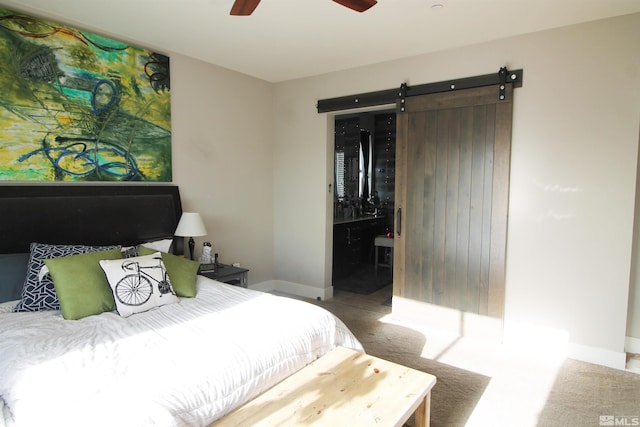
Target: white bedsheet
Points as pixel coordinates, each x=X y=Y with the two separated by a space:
x=182 y=364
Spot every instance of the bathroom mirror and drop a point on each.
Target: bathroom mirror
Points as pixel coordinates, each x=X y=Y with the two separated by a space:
x=353 y=173
x=353 y=162
x=364 y=159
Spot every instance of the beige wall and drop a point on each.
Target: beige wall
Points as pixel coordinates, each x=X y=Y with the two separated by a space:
x=222 y=132
x=575 y=146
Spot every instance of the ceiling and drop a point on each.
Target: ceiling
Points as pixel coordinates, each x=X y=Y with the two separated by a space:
x=289 y=39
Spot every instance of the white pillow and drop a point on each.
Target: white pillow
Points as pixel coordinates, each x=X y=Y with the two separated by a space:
x=139 y=284
x=159 y=245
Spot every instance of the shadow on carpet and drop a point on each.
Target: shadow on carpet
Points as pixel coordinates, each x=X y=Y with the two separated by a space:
x=457 y=391
x=364 y=280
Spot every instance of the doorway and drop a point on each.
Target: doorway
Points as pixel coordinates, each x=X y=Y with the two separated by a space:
x=363 y=199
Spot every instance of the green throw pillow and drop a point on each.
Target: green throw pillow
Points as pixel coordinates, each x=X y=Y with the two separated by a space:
x=81 y=285
x=182 y=272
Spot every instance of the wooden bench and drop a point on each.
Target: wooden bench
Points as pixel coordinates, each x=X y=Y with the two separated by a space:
x=343 y=388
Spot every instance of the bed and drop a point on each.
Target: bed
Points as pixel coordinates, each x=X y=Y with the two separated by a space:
x=187 y=361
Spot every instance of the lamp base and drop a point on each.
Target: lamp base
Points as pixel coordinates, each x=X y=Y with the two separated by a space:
x=192 y=245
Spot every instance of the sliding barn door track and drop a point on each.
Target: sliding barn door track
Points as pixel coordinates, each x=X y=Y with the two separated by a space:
x=392 y=96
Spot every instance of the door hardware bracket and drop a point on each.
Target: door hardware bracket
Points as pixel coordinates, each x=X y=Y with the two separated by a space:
x=402 y=95
x=502 y=77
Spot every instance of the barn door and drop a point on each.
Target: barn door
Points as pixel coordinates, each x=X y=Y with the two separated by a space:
x=452 y=184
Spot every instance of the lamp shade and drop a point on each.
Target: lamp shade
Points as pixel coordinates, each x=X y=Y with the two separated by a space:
x=190 y=225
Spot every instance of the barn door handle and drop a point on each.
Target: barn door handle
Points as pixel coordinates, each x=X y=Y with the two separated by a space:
x=399 y=221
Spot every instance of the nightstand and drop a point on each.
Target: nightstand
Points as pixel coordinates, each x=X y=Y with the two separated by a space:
x=228 y=274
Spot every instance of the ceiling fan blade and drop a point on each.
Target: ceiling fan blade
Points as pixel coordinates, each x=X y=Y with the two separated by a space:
x=244 y=7
x=357 y=5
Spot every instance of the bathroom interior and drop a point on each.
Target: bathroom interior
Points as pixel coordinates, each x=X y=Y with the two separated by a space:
x=363 y=203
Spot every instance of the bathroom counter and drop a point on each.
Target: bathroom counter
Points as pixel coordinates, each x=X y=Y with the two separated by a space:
x=337 y=220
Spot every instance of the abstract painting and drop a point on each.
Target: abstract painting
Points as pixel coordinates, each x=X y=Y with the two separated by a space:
x=76 y=106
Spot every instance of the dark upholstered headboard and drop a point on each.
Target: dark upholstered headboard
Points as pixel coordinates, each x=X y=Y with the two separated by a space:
x=84 y=214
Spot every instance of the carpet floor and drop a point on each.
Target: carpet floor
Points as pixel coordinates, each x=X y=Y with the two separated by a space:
x=484 y=384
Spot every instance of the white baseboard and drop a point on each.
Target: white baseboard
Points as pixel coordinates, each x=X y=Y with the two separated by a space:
x=266 y=286
x=558 y=341
x=598 y=356
x=294 y=288
x=632 y=345
x=542 y=340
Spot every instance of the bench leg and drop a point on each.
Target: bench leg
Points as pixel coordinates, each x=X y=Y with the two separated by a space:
x=422 y=414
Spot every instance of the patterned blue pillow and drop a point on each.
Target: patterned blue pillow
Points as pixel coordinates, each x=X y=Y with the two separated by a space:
x=130 y=251
x=38 y=292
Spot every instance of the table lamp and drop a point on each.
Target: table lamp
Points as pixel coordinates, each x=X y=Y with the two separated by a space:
x=190 y=225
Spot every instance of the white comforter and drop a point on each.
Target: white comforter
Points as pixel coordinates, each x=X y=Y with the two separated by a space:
x=188 y=363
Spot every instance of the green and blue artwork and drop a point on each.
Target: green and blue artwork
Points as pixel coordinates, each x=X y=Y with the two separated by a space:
x=75 y=106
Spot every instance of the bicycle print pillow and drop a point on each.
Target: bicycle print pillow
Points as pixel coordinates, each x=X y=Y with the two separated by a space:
x=139 y=284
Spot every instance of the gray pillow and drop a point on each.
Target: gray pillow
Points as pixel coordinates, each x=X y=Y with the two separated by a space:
x=13 y=270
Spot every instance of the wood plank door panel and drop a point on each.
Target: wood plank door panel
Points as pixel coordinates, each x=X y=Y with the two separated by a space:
x=452 y=172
